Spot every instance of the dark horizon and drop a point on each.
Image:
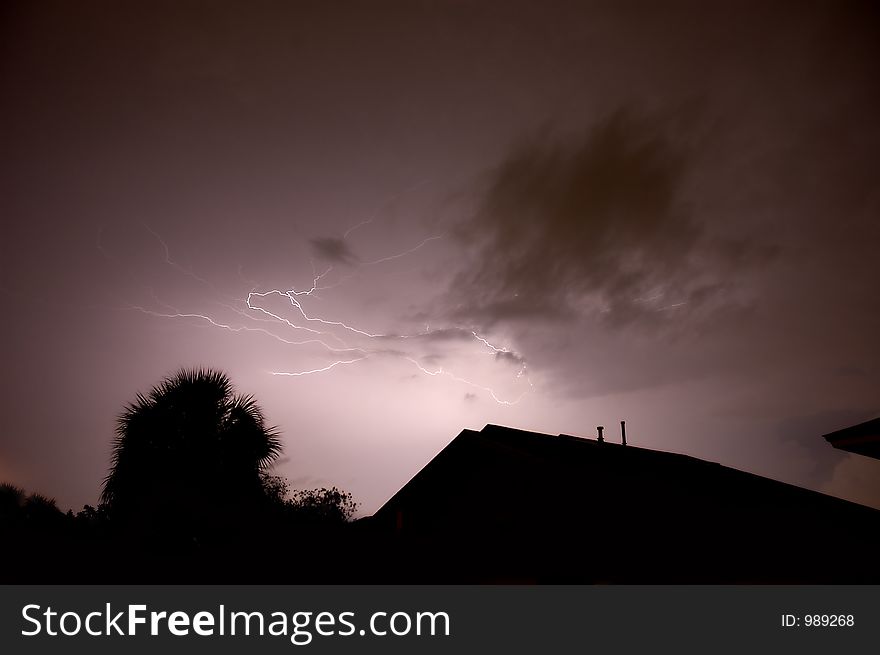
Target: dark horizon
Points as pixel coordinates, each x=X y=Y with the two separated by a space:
x=495 y=506
x=393 y=220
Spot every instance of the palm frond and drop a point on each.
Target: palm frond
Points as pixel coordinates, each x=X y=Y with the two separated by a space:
x=190 y=431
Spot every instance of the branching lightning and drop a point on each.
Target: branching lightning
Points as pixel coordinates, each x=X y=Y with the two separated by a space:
x=173 y=263
x=241 y=328
x=323 y=331
x=292 y=297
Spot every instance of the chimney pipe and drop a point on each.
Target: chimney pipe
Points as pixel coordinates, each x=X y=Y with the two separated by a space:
x=623 y=432
x=600 y=428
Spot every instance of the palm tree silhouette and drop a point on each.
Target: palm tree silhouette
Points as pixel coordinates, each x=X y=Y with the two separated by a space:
x=189 y=453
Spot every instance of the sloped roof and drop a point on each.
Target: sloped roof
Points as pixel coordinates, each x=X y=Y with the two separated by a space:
x=565 y=454
x=863 y=439
x=506 y=504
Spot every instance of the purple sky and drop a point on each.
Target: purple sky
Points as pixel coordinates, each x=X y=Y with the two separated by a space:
x=547 y=215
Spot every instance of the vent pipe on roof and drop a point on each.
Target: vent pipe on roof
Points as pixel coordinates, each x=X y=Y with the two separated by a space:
x=601 y=438
x=623 y=432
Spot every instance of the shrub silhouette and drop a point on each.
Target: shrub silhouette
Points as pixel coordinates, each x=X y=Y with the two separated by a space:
x=326 y=507
x=190 y=454
x=34 y=511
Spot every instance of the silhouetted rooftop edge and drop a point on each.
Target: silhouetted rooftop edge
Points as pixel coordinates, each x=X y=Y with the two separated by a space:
x=561 y=447
x=862 y=439
x=509 y=505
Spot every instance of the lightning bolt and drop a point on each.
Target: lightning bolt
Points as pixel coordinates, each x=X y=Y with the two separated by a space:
x=173 y=263
x=405 y=252
x=384 y=203
x=320 y=329
x=340 y=362
x=355 y=227
x=461 y=380
x=240 y=328
x=494 y=349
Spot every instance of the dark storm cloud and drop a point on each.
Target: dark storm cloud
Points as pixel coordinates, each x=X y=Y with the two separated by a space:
x=597 y=226
x=333 y=250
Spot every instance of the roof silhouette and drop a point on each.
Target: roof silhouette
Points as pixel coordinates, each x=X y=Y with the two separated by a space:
x=862 y=439
x=509 y=505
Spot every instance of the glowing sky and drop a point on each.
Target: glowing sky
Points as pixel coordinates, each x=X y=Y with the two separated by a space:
x=390 y=221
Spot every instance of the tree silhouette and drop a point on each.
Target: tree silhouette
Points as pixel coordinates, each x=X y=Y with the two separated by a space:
x=190 y=453
x=323 y=506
